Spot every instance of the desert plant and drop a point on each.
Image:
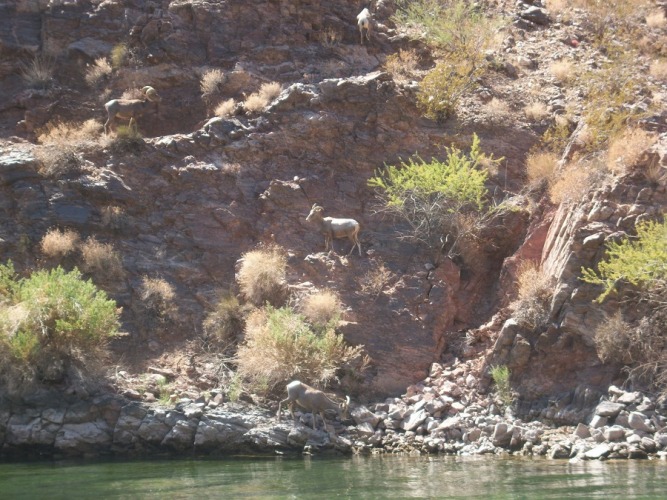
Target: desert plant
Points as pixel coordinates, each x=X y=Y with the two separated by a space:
x=256 y=102
x=461 y=35
x=262 y=275
x=536 y=111
x=98 y=71
x=656 y=19
x=119 y=55
x=101 y=260
x=627 y=149
x=541 y=168
x=574 y=181
x=39 y=72
x=534 y=294
x=61 y=133
x=127 y=140
x=615 y=342
x=375 y=279
x=54 y=328
x=226 y=108
x=321 y=308
x=640 y=262
x=658 y=69
x=225 y=324
x=158 y=298
x=402 y=65
x=280 y=345
x=562 y=70
x=211 y=83
x=433 y=196
x=57 y=243
x=501 y=377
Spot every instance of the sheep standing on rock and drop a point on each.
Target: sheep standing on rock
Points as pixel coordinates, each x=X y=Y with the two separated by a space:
x=364 y=21
x=130 y=109
x=333 y=228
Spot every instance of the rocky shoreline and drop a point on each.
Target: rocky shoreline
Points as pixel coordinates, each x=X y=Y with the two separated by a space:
x=446 y=414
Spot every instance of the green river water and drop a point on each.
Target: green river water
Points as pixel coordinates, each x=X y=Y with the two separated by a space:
x=355 y=477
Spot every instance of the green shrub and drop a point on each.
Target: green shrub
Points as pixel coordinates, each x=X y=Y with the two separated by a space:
x=281 y=345
x=640 y=261
x=119 y=55
x=435 y=197
x=501 y=377
x=461 y=35
x=226 y=323
x=54 y=326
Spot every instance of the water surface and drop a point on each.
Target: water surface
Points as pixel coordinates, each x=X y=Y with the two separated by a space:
x=355 y=477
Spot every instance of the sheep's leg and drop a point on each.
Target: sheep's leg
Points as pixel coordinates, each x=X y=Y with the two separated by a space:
x=314 y=421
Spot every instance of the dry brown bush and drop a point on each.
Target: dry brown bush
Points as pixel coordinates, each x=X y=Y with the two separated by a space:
x=39 y=72
x=321 y=308
x=158 y=297
x=261 y=99
x=658 y=69
x=656 y=19
x=573 y=182
x=497 y=111
x=58 y=244
x=373 y=281
x=402 y=65
x=534 y=293
x=614 y=340
x=225 y=324
x=98 y=71
x=541 y=168
x=625 y=151
x=562 y=70
x=226 y=108
x=536 y=111
x=211 y=83
x=262 y=276
x=101 y=260
x=113 y=217
x=69 y=133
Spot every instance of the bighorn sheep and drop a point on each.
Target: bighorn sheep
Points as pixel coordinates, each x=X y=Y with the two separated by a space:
x=312 y=400
x=364 y=21
x=130 y=109
x=335 y=228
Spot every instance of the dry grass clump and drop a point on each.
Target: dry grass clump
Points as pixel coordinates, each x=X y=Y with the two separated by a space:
x=540 y=168
x=498 y=111
x=402 y=65
x=373 y=281
x=281 y=345
x=101 y=260
x=534 y=293
x=330 y=37
x=656 y=19
x=119 y=55
x=98 y=71
x=562 y=70
x=322 y=308
x=615 y=342
x=226 y=108
x=626 y=150
x=262 y=276
x=158 y=297
x=39 y=72
x=211 y=83
x=658 y=69
x=57 y=243
x=536 y=111
x=69 y=133
x=225 y=324
x=573 y=182
x=113 y=217
x=261 y=99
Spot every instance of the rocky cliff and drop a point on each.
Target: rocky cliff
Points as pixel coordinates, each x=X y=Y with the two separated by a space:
x=199 y=191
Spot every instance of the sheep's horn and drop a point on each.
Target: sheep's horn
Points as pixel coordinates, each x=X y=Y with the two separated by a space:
x=314 y=205
x=347 y=400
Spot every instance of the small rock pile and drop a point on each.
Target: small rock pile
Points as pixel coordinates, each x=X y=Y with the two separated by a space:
x=446 y=414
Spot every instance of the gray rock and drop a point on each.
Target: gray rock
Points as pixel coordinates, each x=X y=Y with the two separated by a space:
x=361 y=415
x=597 y=422
x=559 y=450
x=79 y=438
x=614 y=433
x=600 y=451
x=582 y=431
x=502 y=434
x=639 y=422
x=414 y=420
x=535 y=15
x=609 y=409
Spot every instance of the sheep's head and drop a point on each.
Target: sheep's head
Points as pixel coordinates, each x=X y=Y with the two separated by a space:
x=315 y=213
x=151 y=94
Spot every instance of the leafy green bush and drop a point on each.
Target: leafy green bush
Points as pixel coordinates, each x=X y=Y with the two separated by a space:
x=280 y=345
x=53 y=326
x=436 y=197
x=501 y=377
x=460 y=35
x=225 y=324
x=641 y=261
